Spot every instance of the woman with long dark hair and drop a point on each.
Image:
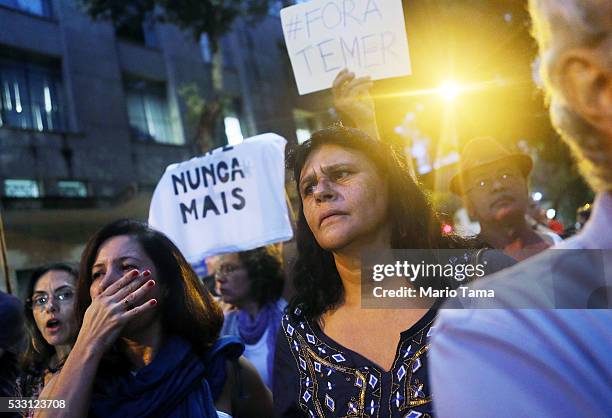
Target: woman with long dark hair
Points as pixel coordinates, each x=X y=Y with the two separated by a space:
x=148 y=344
x=334 y=357
x=51 y=324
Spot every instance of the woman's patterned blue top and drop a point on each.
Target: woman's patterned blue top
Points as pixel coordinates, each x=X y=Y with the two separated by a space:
x=315 y=376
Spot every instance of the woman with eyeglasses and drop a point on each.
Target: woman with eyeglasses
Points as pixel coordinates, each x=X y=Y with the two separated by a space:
x=252 y=283
x=52 y=325
x=149 y=345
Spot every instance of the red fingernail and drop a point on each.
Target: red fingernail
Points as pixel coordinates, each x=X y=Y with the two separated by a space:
x=146 y=273
x=150 y=283
x=134 y=273
x=153 y=302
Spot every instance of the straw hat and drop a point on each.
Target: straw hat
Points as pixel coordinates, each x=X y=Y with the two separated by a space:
x=482 y=151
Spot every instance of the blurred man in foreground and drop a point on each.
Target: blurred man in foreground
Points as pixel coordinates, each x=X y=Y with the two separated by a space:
x=547 y=362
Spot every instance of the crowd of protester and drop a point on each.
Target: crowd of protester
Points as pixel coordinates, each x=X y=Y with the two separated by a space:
x=133 y=332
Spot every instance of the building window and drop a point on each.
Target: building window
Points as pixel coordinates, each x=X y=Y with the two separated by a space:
x=35 y=7
x=148 y=112
x=70 y=188
x=21 y=188
x=135 y=29
x=30 y=95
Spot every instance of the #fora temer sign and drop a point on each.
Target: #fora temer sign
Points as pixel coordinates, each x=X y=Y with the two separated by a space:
x=366 y=36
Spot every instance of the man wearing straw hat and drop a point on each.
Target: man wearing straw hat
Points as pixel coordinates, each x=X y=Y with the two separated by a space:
x=492 y=181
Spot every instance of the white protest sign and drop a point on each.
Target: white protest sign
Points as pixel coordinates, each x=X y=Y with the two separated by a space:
x=230 y=199
x=366 y=36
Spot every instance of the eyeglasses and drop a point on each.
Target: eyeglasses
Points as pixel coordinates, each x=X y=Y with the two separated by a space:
x=40 y=301
x=226 y=269
x=504 y=177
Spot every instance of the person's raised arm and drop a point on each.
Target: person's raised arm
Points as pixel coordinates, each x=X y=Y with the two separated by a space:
x=352 y=98
x=112 y=306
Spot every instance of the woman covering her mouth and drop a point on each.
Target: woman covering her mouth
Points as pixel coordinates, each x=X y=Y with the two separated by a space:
x=52 y=325
x=148 y=343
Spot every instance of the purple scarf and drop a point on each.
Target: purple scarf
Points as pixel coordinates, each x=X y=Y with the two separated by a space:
x=252 y=329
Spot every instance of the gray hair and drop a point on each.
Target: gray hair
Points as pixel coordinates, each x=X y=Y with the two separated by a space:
x=559 y=25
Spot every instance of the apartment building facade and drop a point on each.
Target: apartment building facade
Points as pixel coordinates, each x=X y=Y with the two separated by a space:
x=91 y=113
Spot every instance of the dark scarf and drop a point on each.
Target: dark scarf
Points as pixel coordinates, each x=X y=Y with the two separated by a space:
x=252 y=329
x=175 y=384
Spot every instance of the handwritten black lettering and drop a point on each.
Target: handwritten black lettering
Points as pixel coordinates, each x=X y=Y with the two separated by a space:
x=219 y=205
x=236 y=169
x=179 y=180
x=223 y=177
x=191 y=209
x=208 y=172
x=209 y=204
x=237 y=193
x=224 y=202
x=206 y=175
x=193 y=183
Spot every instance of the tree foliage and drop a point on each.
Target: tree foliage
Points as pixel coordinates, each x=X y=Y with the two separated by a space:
x=213 y=17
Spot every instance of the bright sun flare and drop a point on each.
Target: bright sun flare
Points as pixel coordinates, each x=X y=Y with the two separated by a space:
x=448 y=90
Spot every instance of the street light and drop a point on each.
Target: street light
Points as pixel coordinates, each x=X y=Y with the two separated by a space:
x=448 y=90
